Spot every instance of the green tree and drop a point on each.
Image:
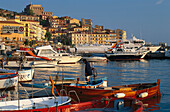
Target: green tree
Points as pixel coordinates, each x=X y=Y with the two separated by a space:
x=48 y=36
x=30 y=12
x=26 y=42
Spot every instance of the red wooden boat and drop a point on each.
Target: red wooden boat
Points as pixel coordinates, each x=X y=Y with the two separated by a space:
x=105 y=104
x=84 y=93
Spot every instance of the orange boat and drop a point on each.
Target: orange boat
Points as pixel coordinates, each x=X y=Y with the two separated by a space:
x=85 y=93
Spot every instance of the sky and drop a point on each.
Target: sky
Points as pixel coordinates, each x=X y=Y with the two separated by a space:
x=145 y=19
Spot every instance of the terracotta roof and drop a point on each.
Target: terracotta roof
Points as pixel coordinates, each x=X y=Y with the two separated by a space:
x=30 y=20
x=10 y=22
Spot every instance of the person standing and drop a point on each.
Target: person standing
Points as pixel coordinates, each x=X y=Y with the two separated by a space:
x=88 y=69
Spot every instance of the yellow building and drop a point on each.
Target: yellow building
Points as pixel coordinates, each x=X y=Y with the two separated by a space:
x=90 y=38
x=76 y=21
x=120 y=34
x=79 y=38
x=33 y=29
x=58 y=34
x=11 y=31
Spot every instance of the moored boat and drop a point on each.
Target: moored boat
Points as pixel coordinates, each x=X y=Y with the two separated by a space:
x=105 y=105
x=44 y=104
x=26 y=75
x=49 y=52
x=8 y=79
x=139 y=91
x=37 y=90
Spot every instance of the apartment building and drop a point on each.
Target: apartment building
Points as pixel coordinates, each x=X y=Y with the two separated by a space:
x=11 y=31
x=79 y=38
x=87 y=22
x=27 y=17
x=32 y=29
x=120 y=34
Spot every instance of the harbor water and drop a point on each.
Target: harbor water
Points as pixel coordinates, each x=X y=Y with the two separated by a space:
x=121 y=73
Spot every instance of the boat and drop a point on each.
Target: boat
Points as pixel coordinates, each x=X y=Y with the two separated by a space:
x=95 y=59
x=27 y=58
x=8 y=79
x=122 y=54
x=26 y=75
x=133 y=43
x=64 y=58
x=43 y=104
x=37 y=90
x=140 y=91
x=105 y=105
x=23 y=74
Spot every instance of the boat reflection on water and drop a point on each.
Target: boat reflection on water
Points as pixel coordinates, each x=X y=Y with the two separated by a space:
x=151 y=104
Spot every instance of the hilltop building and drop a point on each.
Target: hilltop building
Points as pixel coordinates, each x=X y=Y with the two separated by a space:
x=37 y=10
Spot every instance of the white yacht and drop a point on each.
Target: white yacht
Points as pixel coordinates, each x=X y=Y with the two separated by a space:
x=27 y=58
x=64 y=58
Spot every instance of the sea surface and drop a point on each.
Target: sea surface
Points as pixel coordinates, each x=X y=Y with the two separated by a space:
x=121 y=73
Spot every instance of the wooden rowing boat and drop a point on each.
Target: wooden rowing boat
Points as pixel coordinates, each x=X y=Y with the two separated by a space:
x=37 y=90
x=105 y=104
x=84 y=93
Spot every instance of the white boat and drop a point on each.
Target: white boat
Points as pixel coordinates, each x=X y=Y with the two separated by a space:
x=95 y=59
x=64 y=58
x=8 y=79
x=26 y=75
x=36 y=64
x=121 y=54
x=44 y=104
x=28 y=59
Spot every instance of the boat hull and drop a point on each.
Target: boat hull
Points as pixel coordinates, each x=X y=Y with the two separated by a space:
x=36 y=64
x=113 y=57
x=105 y=104
x=44 y=104
x=68 y=59
x=26 y=75
x=8 y=81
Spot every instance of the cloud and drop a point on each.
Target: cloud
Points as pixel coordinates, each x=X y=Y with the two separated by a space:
x=159 y=2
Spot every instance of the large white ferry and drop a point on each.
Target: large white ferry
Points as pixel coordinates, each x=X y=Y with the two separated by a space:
x=132 y=44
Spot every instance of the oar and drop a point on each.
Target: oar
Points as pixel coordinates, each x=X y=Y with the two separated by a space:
x=52 y=82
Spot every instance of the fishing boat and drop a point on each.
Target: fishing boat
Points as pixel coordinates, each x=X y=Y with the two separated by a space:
x=37 y=90
x=8 y=79
x=140 y=91
x=42 y=104
x=49 y=52
x=105 y=105
x=24 y=74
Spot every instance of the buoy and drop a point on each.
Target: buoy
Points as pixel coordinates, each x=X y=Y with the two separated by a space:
x=143 y=95
x=119 y=95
